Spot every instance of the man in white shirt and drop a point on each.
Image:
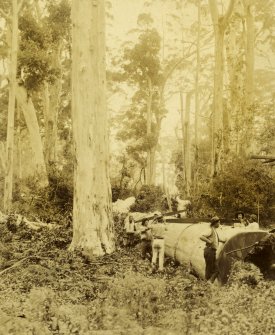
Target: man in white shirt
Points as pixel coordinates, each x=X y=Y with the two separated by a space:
x=130 y=228
x=212 y=242
x=253 y=224
x=158 y=233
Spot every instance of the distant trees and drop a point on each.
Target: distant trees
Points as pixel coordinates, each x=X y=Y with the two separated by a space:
x=141 y=121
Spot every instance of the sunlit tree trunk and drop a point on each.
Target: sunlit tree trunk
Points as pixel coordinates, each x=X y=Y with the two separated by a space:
x=249 y=75
x=92 y=208
x=183 y=140
x=219 y=23
x=150 y=153
x=52 y=100
x=11 y=109
x=187 y=144
x=197 y=101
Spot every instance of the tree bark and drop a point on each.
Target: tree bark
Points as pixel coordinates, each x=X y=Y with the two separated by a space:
x=187 y=142
x=249 y=75
x=92 y=208
x=11 y=110
x=197 y=90
x=150 y=158
x=52 y=99
x=183 y=139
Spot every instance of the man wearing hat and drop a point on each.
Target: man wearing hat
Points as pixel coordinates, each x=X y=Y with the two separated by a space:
x=240 y=220
x=212 y=242
x=253 y=224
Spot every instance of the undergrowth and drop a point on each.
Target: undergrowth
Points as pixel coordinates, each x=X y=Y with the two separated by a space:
x=54 y=291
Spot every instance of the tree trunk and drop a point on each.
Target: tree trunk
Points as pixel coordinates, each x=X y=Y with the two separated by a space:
x=197 y=101
x=150 y=158
x=32 y=124
x=18 y=146
x=11 y=110
x=219 y=23
x=52 y=104
x=183 y=141
x=249 y=75
x=187 y=142
x=92 y=208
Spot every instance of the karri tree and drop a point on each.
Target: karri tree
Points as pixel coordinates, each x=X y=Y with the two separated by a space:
x=92 y=211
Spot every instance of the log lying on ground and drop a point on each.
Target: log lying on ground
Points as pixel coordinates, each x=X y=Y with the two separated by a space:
x=182 y=242
x=18 y=220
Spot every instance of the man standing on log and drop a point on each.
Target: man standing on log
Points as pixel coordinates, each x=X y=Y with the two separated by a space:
x=212 y=242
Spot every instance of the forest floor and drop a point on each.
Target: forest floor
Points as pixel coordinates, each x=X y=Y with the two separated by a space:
x=45 y=289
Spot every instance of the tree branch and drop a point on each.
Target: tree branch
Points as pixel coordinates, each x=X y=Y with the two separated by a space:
x=5 y=15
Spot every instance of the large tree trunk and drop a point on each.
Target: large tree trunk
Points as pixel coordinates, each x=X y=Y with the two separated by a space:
x=92 y=208
x=11 y=110
x=35 y=138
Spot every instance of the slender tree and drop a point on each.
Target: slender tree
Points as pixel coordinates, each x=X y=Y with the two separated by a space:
x=11 y=108
x=220 y=23
x=92 y=211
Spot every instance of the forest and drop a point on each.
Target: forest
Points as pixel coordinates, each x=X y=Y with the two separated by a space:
x=105 y=103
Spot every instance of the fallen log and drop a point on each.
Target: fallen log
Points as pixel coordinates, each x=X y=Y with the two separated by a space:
x=182 y=243
x=19 y=219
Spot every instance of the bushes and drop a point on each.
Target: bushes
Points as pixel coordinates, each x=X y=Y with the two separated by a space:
x=242 y=185
x=148 y=198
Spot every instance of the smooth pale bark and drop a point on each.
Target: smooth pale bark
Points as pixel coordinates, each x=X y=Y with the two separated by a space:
x=250 y=43
x=29 y=113
x=249 y=75
x=3 y=156
x=150 y=157
x=52 y=100
x=187 y=144
x=197 y=101
x=18 y=146
x=219 y=23
x=11 y=110
x=92 y=207
x=183 y=137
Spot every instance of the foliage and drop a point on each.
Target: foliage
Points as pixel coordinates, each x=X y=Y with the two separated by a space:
x=242 y=185
x=51 y=204
x=34 y=61
x=148 y=198
x=141 y=68
x=65 y=293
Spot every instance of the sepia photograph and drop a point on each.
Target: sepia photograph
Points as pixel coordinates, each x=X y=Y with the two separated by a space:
x=137 y=167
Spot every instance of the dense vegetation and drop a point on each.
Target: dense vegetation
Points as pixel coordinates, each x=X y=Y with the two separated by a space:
x=45 y=289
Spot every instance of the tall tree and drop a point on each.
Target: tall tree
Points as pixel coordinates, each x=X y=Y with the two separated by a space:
x=11 y=108
x=92 y=211
x=220 y=23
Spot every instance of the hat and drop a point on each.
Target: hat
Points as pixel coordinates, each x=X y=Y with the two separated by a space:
x=214 y=220
x=239 y=212
x=253 y=217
